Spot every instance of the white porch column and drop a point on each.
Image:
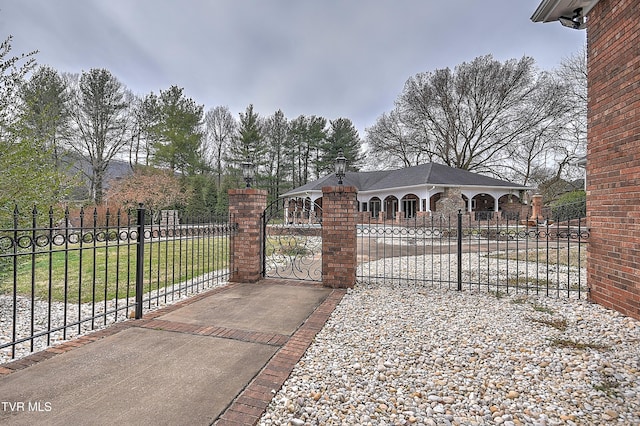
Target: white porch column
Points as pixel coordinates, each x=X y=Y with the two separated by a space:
x=286 y=211
x=312 y=209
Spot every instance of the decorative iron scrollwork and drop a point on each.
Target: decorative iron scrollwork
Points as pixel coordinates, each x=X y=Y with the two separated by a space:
x=292 y=242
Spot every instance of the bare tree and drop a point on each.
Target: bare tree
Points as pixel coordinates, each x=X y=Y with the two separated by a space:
x=573 y=70
x=393 y=143
x=145 y=118
x=471 y=117
x=472 y=112
x=538 y=147
x=220 y=128
x=547 y=155
x=573 y=73
x=101 y=117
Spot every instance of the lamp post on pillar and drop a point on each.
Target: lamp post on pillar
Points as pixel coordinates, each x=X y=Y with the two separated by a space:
x=341 y=166
x=339 y=238
x=246 y=206
x=248 y=171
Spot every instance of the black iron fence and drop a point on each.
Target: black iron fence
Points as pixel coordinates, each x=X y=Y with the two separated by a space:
x=60 y=278
x=567 y=211
x=508 y=256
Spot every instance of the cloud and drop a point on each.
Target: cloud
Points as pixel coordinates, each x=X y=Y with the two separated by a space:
x=332 y=58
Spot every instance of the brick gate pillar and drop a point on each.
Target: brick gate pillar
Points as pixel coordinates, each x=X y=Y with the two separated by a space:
x=536 y=208
x=245 y=259
x=339 y=243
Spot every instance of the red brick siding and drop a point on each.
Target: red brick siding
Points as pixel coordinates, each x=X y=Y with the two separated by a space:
x=613 y=155
x=245 y=208
x=339 y=240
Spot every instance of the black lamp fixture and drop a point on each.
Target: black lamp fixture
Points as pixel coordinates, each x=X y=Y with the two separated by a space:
x=341 y=166
x=577 y=21
x=570 y=13
x=248 y=171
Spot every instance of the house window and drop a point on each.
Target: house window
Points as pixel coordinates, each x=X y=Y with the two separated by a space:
x=374 y=207
x=409 y=208
x=364 y=207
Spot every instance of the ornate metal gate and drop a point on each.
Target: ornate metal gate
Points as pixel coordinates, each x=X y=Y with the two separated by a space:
x=292 y=240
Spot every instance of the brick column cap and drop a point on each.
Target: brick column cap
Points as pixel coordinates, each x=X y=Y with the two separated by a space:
x=339 y=188
x=247 y=191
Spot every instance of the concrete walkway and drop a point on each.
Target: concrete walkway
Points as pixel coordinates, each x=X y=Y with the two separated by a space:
x=218 y=357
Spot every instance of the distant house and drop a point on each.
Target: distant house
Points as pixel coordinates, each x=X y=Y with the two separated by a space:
x=419 y=191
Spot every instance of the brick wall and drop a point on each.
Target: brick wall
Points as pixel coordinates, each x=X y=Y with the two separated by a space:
x=339 y=240
x=613 y=155
x=245 y=209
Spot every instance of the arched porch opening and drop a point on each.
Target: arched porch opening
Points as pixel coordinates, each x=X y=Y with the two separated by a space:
x=484 y=206
x=433 y=200
x=375 y=206
x=301 y=209
x=409 y=204
x=391 y=207
x=317 y=207
x=511 y=207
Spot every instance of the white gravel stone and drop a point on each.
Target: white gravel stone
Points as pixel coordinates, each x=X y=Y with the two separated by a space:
x=464 y=358
x=85 y=311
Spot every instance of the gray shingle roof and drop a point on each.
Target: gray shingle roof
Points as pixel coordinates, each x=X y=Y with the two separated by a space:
x=424 y=174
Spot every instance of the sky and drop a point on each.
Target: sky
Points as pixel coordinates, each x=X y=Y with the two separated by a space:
x=330 y=58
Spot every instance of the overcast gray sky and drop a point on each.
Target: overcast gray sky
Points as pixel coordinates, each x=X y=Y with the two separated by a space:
x=332 y=58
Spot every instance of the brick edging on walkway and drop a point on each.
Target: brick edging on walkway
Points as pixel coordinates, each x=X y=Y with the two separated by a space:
x=252 y=402
x=112 y=329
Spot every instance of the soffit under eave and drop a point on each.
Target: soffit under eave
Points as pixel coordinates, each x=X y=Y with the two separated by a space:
x=552 y=10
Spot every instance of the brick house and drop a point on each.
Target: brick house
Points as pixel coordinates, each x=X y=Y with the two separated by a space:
x=613 y=144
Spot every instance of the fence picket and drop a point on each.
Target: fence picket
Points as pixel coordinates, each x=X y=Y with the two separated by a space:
x=44 y=269
x=505 y=256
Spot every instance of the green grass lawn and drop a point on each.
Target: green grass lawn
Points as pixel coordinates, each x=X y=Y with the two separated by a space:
x=573 y=256
x=290 y=246
x=72 y=272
